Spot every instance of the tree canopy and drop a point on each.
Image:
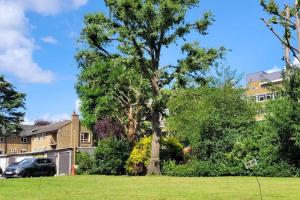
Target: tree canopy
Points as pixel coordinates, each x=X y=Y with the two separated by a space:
x=134 y=34
x=11 y=107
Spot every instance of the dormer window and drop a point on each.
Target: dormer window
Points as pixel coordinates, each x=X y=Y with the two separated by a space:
x=23 y=140
x=85 y=137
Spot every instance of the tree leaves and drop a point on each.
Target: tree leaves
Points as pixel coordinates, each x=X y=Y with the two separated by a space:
x=11 y=107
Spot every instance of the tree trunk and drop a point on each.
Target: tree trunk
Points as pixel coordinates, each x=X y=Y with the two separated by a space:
x=132 y=125
x=154 y=164
x=286 y=48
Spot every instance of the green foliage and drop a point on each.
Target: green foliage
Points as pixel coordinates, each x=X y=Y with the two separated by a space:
x=139 y=157
x=271 y=6
x=197 y=168
x=11 y=107
x=133 y=36
x=280 y=133
x=111 y=89
x=171 y=149
x=279 y=169
x=111 y=155
x=138 y=161
x=211 y=119
x=84 y=163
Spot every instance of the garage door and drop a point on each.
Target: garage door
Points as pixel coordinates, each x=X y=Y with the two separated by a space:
x=64 y=163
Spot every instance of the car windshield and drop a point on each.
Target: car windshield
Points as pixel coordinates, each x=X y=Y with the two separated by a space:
x=26 y=161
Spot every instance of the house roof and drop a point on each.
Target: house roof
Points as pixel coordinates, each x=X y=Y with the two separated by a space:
x=28 y=130
x=264 y=77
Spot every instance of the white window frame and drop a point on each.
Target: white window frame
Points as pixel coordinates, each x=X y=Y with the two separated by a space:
x=13 y=151
x=1 y=139
x=24 y=140
x=82 y=139
x=23 y=150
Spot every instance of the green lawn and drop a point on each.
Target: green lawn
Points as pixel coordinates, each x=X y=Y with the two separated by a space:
x=123 y=187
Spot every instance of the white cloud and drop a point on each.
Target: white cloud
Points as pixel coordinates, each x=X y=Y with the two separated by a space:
x=274 y=69
x=17 y=46
x=56 y=117
x=77 y=106
x=49 y=39
x=79 y=3
x=51 y=7
x=27 y=121
x=48 y=117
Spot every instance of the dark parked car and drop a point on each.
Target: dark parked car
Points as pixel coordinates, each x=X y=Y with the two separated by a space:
x=31 y=167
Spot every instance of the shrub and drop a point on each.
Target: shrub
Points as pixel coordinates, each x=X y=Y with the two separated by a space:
x=190 y=169
x=276 y=170
x=171 y=149
x=111 y=155
x=107 y=127
x=197 y=168
x=84 y=163
x=139 y=157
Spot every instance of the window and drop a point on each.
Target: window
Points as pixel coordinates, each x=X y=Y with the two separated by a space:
x=23 y=139
x=1 y=152
x=265 y=97
x=85 y=137
x=12 y=150
x=15 y=137
x=1 y=139
x=261 y=98
x=23 y=150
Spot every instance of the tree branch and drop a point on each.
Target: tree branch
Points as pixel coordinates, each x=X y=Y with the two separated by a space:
x=287 y=43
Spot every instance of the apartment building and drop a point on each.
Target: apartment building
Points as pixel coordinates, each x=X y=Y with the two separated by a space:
x=262 y=87
x=59 y=135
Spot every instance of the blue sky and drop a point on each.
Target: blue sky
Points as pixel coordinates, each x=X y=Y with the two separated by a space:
x=38 y=43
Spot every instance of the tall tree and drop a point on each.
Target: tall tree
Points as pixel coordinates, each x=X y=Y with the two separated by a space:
x=139 y=32
x=11 y=107
x=283 y=114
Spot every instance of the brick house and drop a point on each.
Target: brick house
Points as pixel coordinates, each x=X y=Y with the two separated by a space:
x=261 y=87
x=59 y=135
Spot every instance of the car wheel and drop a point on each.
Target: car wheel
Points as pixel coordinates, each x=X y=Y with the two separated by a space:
x=52 y=173
x=27 y=174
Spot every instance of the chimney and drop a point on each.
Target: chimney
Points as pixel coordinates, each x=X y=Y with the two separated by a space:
x=75 y=128
x=75 y=134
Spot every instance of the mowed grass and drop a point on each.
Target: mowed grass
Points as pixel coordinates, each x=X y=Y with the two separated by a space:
x=123 y=187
